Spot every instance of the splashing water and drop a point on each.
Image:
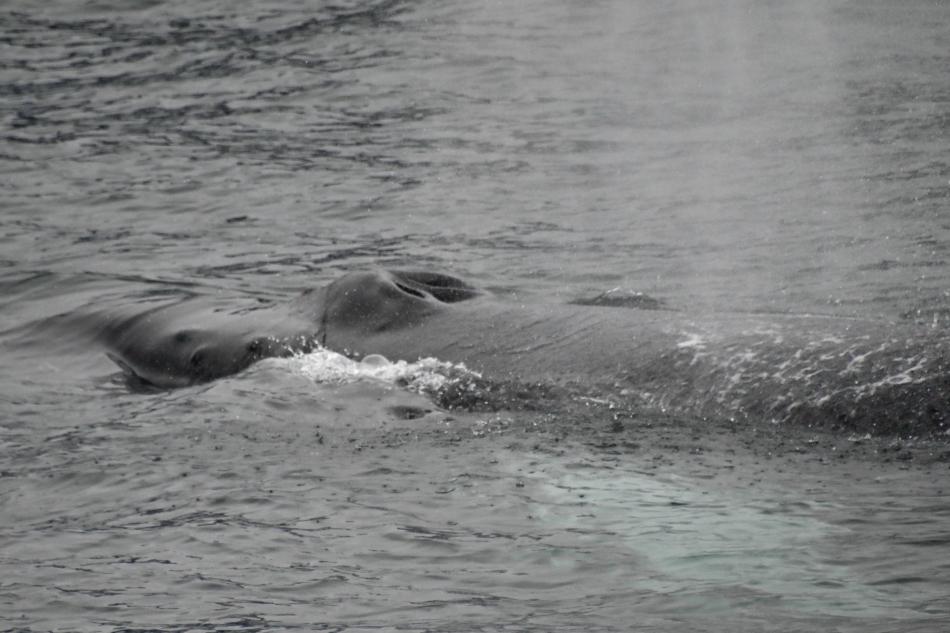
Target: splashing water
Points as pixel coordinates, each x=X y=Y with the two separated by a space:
x=425 y=376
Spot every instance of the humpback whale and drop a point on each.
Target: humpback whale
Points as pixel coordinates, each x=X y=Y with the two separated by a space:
x=817 y=370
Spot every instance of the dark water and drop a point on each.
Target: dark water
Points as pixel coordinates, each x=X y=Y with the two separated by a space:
x=735 y=156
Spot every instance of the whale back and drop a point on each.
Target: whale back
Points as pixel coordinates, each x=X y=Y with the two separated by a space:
x=848 y=373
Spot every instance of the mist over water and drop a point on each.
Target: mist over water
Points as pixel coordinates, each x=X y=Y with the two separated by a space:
x=734 y=156
x=740 y=155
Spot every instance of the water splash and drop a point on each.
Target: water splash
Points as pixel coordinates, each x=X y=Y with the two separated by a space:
x=426 y=375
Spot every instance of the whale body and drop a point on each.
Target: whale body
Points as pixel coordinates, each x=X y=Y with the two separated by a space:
x=848 y=373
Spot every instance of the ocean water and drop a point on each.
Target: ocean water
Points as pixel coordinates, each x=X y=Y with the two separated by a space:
x=739 y=156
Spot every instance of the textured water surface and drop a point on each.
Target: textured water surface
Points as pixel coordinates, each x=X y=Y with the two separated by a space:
x=730 y=157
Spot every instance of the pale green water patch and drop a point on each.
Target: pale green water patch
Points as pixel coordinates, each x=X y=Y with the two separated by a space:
x=702 y=547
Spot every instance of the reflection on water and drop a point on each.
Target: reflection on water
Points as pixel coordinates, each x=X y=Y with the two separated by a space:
x=715 y=551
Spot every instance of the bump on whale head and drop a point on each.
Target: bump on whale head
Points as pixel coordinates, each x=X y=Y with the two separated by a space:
x=381 y=300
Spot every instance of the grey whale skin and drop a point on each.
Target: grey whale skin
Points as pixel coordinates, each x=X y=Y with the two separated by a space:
x=850 y=373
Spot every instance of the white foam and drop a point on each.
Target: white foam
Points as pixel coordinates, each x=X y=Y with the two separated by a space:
x=423 y=375
x=692 y=341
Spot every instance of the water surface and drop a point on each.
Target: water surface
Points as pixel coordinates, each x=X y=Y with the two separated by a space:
x=742 y=156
